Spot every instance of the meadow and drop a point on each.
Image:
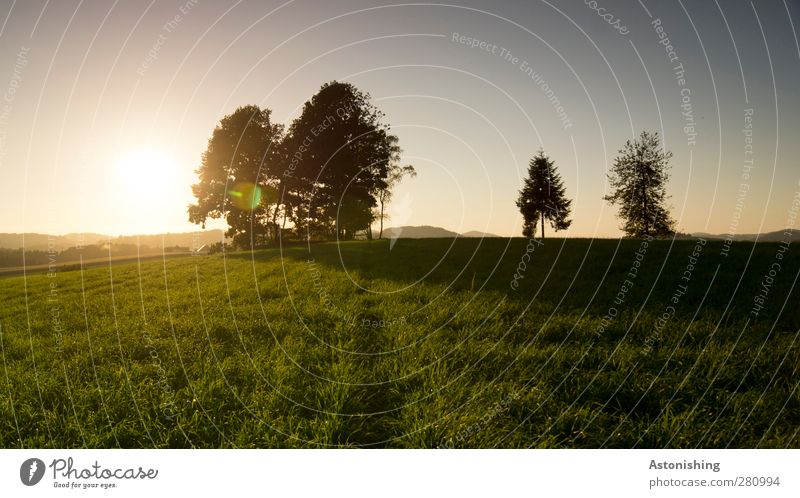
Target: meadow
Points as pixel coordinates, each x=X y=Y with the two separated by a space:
x=434 y=343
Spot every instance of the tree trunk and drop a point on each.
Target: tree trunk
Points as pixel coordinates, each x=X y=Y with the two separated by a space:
x=542 y=224
x=642 y=181
x=646 y=214
x=380 y=233
x=275 y=228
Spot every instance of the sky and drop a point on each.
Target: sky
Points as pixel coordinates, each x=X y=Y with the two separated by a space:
x=107 y=106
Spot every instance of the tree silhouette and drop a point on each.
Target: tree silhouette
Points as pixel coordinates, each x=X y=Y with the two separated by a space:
x=395 y=176
x=638 y=180
x=339 y=157
x=239 y=176
x=543 y=197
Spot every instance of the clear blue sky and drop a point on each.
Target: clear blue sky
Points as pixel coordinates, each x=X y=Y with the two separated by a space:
x=91 y=88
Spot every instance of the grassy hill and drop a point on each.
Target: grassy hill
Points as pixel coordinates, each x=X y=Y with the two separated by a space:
x=436 y=343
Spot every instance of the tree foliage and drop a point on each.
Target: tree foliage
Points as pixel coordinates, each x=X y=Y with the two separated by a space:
x=340 y=156
x=239 y=174
x=326 y=175
x=543 y=197
x=638 y=181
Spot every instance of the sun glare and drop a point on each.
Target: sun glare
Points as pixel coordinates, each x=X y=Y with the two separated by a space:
x=149 y=191
x=145 y=173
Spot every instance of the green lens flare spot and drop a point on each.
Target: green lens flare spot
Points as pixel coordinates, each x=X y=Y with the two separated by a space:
x=246 y=196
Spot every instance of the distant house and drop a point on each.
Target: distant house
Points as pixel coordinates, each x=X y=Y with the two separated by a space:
x=201 y=251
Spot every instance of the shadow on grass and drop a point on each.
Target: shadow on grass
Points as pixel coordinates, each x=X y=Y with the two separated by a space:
x=578 y=273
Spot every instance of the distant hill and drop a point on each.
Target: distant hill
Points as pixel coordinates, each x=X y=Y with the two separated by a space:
x=431 y=232
x=419 y=232
x=184 y=239
x=777 y=236
x=477 y=234
x=428 y=232
x=40 y=242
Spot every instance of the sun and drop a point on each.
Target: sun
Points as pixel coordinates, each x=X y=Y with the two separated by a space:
x=145 y=173
x=148 y=188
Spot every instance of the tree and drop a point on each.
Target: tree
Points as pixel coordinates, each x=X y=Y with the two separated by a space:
x=395 y=176
x=543 y=197
x=638 y=181
x=339 y=158
x=239 y=176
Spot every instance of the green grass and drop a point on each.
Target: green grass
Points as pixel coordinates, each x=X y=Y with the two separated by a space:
x=426 y=345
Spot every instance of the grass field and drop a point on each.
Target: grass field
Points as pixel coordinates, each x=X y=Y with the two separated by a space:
x=435 y=343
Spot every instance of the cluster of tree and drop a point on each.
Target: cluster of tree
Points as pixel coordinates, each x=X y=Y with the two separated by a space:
x=219 y=247
x=638 y=182
x=328 y=175
x=98 y=251
x=13 y=258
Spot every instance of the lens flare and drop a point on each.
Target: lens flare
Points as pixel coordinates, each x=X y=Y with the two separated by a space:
x=246 y=196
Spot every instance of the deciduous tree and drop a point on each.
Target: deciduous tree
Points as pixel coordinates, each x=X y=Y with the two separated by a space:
x=339 y=155
x=239 y=175
x=638 y=183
